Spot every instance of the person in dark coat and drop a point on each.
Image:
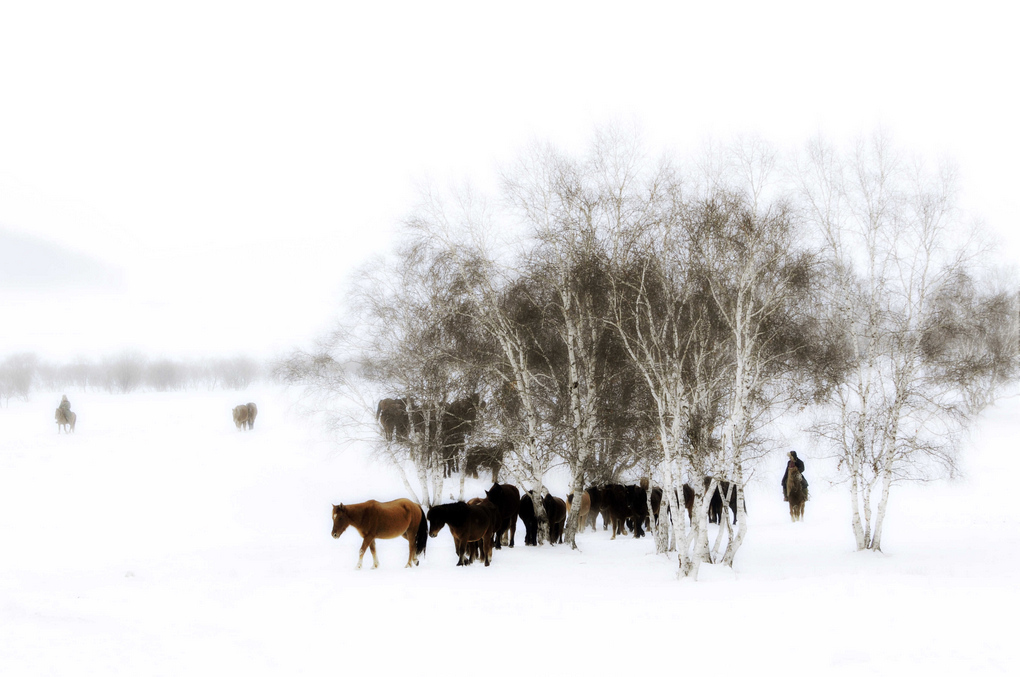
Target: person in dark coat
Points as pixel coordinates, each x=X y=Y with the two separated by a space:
x=800 y=466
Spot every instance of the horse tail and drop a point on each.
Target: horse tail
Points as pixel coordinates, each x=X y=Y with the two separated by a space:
x=422 y=538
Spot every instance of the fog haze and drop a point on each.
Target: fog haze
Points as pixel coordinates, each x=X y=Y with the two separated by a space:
x=202 y=178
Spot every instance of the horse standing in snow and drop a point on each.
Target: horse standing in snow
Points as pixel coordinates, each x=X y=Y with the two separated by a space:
x=391 y=519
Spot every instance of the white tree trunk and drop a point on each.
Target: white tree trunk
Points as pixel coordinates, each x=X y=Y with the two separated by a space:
x=736 y=540
x=855 y=507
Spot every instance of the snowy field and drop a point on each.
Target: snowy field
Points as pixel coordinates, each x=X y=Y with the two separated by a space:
x=172 y=544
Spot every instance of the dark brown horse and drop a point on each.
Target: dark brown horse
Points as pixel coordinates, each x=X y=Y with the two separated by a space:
x=468 y=523
x=507 y=498
x=796 y=491
x=616 y=508
x=556 y=509
x=373 y=520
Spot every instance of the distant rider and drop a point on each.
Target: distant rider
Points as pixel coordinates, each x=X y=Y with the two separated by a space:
x=800 y=466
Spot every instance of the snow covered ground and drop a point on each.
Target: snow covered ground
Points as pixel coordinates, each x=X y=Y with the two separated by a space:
x=158 y=540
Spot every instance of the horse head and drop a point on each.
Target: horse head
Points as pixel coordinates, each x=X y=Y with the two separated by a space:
x=436 y=520
x=341 y=520
x=495 y=494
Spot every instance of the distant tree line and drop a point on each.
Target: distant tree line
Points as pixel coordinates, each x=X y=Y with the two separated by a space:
x=23 y=373
x=634 y=317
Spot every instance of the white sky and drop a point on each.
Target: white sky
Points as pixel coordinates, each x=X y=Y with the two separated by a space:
x=234 y=161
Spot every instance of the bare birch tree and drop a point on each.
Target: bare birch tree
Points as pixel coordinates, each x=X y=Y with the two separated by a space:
x=899 y=257
x=576 y=210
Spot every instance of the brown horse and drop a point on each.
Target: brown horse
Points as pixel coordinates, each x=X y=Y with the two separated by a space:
x=582 y=510
x=796 y=491
x=373 y=520
x=469 y=522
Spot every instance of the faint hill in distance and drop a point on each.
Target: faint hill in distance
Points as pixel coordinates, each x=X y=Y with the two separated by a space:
x=28 y=263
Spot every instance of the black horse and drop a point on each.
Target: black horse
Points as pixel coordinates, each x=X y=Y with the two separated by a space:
x=637 y=506
x=527 y=515
x=506 y=498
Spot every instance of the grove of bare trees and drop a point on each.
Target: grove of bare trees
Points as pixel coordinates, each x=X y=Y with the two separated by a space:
x=122 y=373
x=629 y=317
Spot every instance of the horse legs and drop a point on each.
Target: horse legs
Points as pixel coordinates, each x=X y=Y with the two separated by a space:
x=368 y=544
x=411 y=558
x=499 y=537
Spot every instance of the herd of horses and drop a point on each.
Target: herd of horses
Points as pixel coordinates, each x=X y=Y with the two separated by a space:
x=481 y=525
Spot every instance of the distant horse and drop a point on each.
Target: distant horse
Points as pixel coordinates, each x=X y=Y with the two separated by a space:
x=687 y=503
x=458 y=422
x=582 y=510
x=65 y=417
x=468 y=522
x=253 y=411
x=507 y=499
x=556 y=509
x=244 y=416
x=715 y=506
x=393 y=418
x=373 y=520
x=490 y=457
x=796 y=491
